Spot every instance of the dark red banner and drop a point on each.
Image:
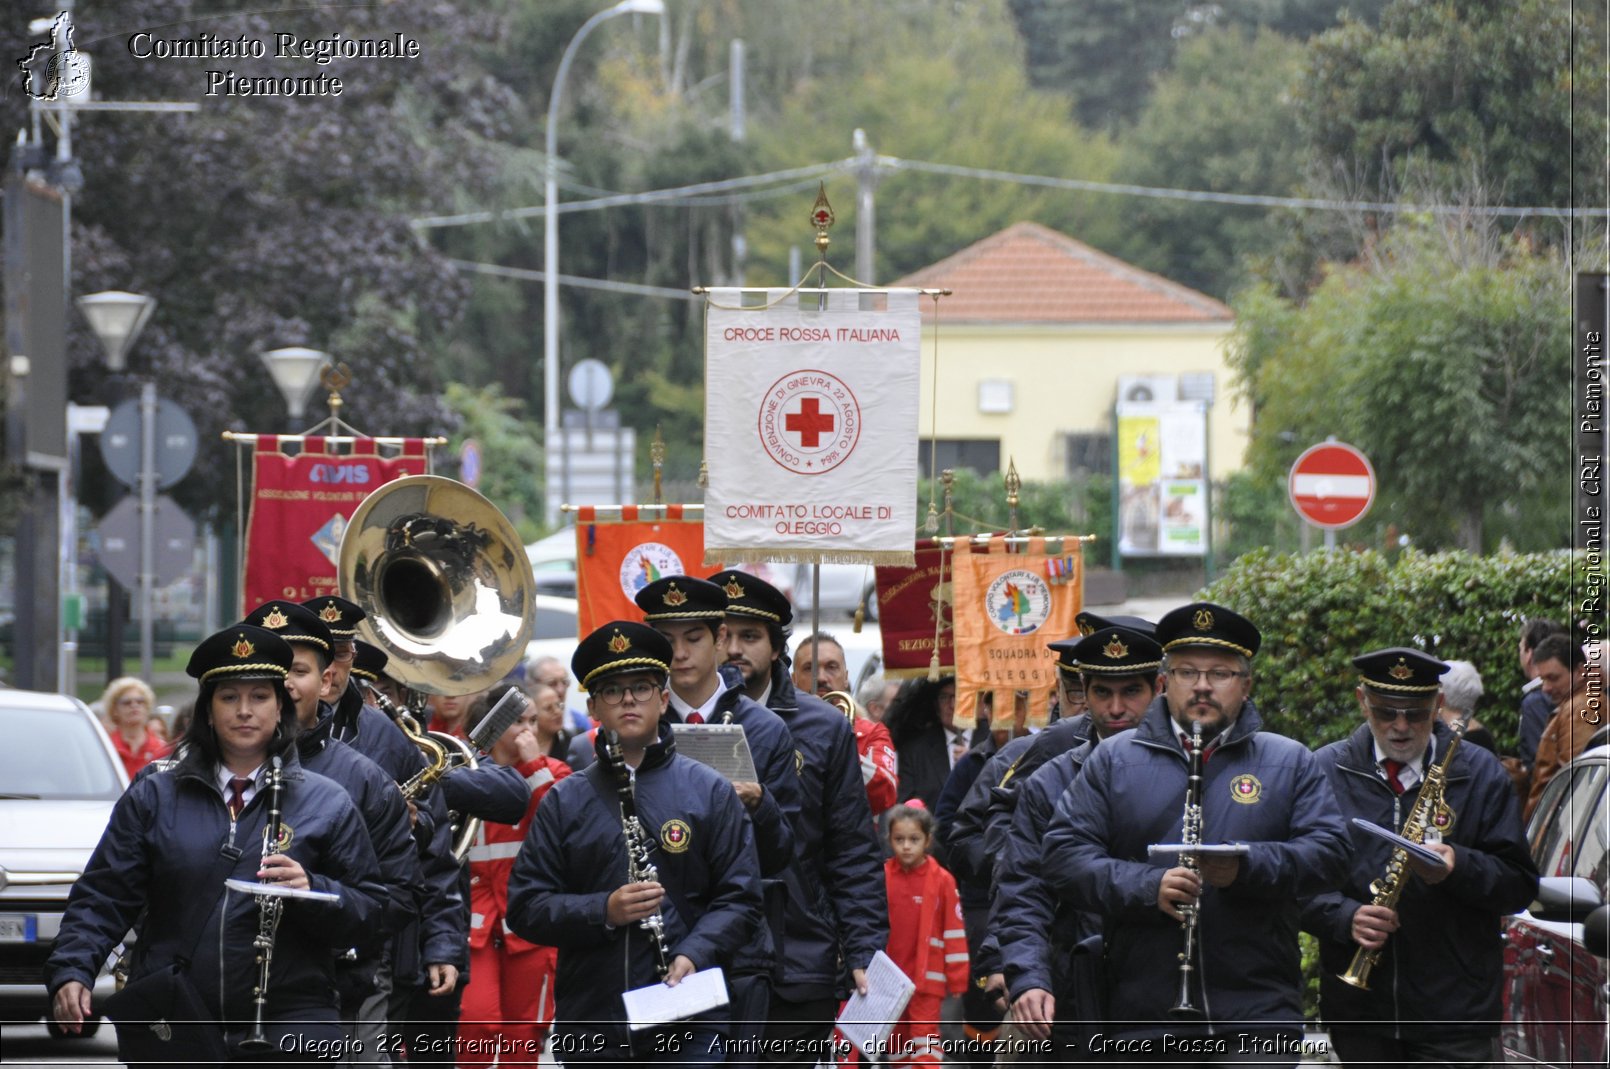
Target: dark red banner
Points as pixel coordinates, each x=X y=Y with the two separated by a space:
x=299 y=510
x=908 y=599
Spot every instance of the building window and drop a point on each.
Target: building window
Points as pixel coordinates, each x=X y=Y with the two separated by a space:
x=1088 y=454
x=981 y=455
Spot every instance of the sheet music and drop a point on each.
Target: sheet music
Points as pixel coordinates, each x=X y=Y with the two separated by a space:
x=658 y=1004
x=723 y=747
x=1421 y=853
x=868 y=1019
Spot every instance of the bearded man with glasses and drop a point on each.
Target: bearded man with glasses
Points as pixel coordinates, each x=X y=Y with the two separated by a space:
x=1257 y=789
x=1434 y=993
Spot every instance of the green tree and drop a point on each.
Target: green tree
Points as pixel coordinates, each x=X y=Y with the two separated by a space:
x=1473 y=99
x=1445 y=358
x=1219 y=119
x=512 y=459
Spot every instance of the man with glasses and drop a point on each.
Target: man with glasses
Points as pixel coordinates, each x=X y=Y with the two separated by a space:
x=569 y=885
x=1244 y=978
x=1434 y=991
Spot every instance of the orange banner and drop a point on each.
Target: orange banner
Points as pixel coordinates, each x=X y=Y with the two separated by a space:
x=1008 y=606
x=617 y=558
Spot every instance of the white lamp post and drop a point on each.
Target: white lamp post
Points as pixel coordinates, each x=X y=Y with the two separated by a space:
x=295 y=371
x=117 y=319
x=550 y=225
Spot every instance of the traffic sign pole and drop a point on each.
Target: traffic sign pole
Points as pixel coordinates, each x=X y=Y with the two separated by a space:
x=148 y=502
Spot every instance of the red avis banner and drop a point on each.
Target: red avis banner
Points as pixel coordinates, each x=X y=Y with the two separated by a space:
x=617 y=558
x=908 y=601
x=299 y=511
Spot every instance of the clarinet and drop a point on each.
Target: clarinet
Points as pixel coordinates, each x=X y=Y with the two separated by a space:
x=269 y=909
x=1190 y=835
x=639 y=869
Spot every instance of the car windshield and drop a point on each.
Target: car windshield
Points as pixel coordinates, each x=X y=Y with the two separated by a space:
x=54 y=753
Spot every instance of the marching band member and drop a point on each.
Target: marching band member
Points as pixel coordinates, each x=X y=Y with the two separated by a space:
x=1438 y=953
x=573 y=883
x=1240 y=979
x=171 y=842
x=832 y=915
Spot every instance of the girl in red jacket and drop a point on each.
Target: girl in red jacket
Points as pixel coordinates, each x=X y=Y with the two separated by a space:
x=926 y=937
x=508 y=1004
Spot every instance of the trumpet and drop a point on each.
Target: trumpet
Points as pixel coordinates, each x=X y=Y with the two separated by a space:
x=845 y=702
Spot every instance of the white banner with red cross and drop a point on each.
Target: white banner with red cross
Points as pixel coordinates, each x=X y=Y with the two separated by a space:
x=810 y=426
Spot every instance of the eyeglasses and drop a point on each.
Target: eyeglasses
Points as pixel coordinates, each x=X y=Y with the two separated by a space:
x=615 y=693
x=345 y=652
x=1386 y=715
x=1187 y=676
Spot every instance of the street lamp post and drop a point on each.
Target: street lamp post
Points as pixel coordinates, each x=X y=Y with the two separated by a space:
x=550 y=229
x=295 y=371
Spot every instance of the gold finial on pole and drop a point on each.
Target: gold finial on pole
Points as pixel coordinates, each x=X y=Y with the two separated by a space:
x=947 y=478
x=656 y=454
x=1014 y=483
x=704 y=475
x=822 y=219
x=335 y=378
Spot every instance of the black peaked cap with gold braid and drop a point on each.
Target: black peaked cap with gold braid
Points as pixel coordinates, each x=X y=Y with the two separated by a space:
x=1089 y=623
x=1401 y=670
x=749 y=596
x=293 y=622
x=620 y=646
x=240 y=652
x=1118 y=651
x=1208 y=626
x=682 y=597
x=338 y=614
x=368 y=661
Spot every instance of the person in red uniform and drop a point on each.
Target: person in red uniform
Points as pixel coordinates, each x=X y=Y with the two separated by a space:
x=128 y=703
x=926 y=935
x=508 y=1003
x=880 y=768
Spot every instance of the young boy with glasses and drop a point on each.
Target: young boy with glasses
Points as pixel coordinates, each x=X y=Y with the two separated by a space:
x=1434 y=991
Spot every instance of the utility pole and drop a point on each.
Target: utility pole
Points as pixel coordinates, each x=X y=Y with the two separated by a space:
x=866 y=219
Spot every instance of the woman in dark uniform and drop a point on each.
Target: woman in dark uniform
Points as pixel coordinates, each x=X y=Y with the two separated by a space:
x=180 y=831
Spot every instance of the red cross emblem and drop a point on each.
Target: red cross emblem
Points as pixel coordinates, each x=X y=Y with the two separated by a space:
x=810 y=422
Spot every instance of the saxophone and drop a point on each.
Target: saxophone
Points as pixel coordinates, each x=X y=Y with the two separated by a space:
x=639 y=869
x=1417 y=828
x=1190 y=835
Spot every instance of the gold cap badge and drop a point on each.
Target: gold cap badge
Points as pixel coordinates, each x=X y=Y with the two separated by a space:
x=1203 y=620
x=1400 y=670
x=619 y=643
x=330 y=614
x=733 y=589
x=275 y=620
x=243 y=648
x=675 y=597
x=1115 y=649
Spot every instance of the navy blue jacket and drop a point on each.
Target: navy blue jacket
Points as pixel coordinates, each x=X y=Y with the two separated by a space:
x=165 y=838
x=1058 y=738
x=1536 y=712
x=385 y=817
x=1258 y=788
x=837 y=910
x=961 y=821
x=574 y=856
x=1446 y=960
x=1033 y=929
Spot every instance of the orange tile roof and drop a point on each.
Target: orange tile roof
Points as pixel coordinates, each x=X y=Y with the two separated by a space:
x=1029 y=273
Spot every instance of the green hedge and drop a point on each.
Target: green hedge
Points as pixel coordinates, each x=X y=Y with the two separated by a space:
x=1319 y=610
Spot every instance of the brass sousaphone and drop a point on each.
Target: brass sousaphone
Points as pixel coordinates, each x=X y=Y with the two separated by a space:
x=447 y=592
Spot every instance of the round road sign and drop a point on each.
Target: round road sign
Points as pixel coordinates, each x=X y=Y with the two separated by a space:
x=1331 y=485
x=591 y=384
x=175 y=444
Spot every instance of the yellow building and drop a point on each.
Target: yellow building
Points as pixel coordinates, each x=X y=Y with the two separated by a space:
x=1040 y=335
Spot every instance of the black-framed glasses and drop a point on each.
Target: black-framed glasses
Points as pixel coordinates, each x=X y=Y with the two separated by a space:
x=615 y=693
x=1186 y=675
x=1386 y=714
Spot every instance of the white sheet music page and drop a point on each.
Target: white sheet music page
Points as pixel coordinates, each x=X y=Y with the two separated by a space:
x=658 y=1004
x=868 y=1019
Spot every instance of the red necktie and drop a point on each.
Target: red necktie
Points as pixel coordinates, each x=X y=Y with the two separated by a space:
x=695 y=718
x=1392 y=769
x=237 y=795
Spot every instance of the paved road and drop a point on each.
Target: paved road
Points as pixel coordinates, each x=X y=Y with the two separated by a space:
x=32 y=1045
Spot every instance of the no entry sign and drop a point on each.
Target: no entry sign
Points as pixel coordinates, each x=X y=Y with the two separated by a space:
x=1332 y=485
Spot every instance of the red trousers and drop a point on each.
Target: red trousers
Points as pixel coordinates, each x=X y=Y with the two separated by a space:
x=508 y=1005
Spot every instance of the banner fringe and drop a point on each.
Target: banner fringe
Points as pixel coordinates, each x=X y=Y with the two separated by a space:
x=718 y=555
x=913 y=673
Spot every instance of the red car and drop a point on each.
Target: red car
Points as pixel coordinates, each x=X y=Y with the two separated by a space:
x=1556 y=985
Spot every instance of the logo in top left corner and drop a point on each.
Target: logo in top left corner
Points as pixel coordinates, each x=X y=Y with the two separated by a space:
x=54 y=69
